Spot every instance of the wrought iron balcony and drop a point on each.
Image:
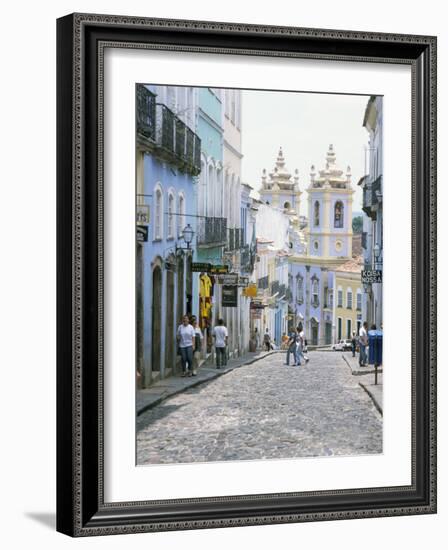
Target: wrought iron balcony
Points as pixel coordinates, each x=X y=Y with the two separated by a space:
x=275 y=287
x=282 y=291
x=235 y=241
x=165 y=135
x=263 y=283
x=247 y=259
x=146 y=113
x=371 y=197
x=211 y=231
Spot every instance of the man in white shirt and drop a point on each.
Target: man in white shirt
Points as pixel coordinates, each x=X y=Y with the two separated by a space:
x=363 y=341
x=186 y=343
x=221 y=336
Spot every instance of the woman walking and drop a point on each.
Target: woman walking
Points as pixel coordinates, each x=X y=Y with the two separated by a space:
x=186 y=343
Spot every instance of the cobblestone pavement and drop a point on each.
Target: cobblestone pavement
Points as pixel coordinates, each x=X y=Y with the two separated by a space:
x=264 y=410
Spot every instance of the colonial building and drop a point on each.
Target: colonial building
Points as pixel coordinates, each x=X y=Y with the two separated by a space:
x=168 y=162
x=348 y=298
x=231 y=204
x=372 y=186
x=211 y=227
x=328 y=237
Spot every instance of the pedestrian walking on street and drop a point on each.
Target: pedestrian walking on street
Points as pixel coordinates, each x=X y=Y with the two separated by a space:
x=301 y=345
x=363 y=341
x=267 y=340
x=186 y=343
x=354 y=344
x=292 y=343
x=198 y=338
x=221 y=337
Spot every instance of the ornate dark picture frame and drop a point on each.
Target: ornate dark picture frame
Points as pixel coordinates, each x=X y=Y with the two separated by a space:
x=81 y=509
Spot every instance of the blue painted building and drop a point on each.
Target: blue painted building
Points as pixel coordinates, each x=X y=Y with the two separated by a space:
x=167 y=164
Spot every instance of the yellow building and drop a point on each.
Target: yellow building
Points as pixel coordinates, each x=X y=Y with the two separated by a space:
x=348 y=298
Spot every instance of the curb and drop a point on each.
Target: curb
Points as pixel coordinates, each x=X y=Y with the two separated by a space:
x=212 y=376
x=372 y=397
x=361 y=372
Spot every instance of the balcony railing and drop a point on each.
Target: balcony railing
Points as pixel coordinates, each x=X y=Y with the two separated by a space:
x=263 y=282
x=275 y=287
x=146 y=113
x=235 y=241
x=211 y=231
x=282 y=291
x=371 y=197
x=165 y=135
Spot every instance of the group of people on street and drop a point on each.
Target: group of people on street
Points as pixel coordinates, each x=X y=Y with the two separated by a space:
x=296 y=347
x=190 y=341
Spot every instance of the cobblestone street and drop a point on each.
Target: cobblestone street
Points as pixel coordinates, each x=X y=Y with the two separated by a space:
x=264 y=410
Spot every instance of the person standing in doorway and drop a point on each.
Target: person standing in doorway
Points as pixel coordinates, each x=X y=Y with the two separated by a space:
x=221 y=337
x=267 y=340
x=186 y=343
x=354 y=344
x=363 y=341
x=198 y=338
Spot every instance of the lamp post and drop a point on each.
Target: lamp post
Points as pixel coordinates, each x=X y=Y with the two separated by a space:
x=376 y=254
x=187 y=235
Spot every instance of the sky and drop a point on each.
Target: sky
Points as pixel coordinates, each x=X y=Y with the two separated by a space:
x=303 y=124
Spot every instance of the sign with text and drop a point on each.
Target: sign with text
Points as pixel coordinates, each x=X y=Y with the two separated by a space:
x=142 y=233
x=369 y=276
x=228 y=279
x=199 y=267
x=229 y=296
x=218 y=269
x=205 y=267
x=257 y=305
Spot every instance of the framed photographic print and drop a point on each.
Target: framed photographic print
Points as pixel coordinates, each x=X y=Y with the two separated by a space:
x=246 y=274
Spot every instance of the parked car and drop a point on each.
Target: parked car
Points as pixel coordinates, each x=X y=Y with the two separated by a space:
x=342 y=345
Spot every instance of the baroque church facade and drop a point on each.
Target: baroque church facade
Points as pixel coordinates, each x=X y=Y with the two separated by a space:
x=320 y=249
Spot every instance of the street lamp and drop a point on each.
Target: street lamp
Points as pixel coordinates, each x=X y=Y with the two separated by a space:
x=187 y=235
x=376 y=253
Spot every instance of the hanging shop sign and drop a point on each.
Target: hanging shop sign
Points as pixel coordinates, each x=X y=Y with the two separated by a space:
x=200 y=267
x=228 y=279
x=369 y=276
x=257 y=305
x=142 y=233
x=218 y=269
x=243 y=281
x=142 y=214
x=229 y=296
x=250 y=291
x=256 y=313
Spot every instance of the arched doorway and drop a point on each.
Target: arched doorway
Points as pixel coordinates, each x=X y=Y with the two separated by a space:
x=180 y=289
x=170 y=340
x=156 y=318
